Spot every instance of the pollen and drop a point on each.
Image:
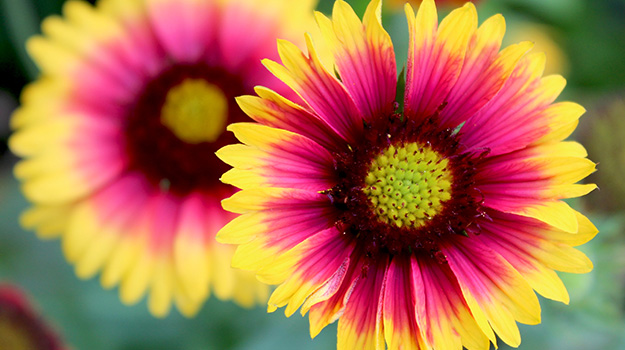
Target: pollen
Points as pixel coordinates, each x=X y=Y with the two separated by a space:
x=195 y=111
x=408 y=185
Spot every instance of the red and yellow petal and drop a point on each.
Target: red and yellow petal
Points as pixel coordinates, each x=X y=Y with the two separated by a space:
x=436 y=55
x=442 y=314
x=361 y=325
x=484 y=72
x=302 y=214
x=531 y=182
x=281 y=159
x=65 y=164
x=320 y=90
x=399 y=307
x=515 y=115
x=267 y=20
x=303 y=270
x=364 y=57
x=494 y=291
x=536 y=249
x=273 y=110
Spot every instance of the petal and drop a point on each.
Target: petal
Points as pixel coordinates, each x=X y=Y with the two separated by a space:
x=435 y=56
x=229 y=283
x=361 y=325
x=563 y=118
x=305 y=268
x=444 y=318
x=398 y=310
x=184 y=28
x=51 y=59
x=248 y=32
x=484 y=72
x=529 y=247
x=191 y=245
x=531 y=181
x=364 y=57
x=327 y=304
x=492 y=288
x=280 y=159
x=321 y=91
x=41 y=100
x=273 y=110
x=138 y=51
x=72 y=166
x=47 y=221
x=274 y=221
x=529 y=242
x=87 y=218
x=515 y=117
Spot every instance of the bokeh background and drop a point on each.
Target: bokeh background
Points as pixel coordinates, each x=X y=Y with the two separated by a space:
x=584 y=40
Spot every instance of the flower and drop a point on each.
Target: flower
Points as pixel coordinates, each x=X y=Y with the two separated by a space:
x=119 y=134
x=20 y=327
x=427 y=227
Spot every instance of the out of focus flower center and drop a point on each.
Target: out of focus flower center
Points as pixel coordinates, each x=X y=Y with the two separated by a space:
x=195 y=111
x=14 y=336
x=20 y=327
x=176 y=124
x=407 y=185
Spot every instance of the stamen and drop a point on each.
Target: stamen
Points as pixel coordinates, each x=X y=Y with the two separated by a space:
x=406 y=187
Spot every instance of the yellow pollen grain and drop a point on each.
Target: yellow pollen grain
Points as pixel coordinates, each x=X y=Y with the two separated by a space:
x=195 y=111
x=408 y=185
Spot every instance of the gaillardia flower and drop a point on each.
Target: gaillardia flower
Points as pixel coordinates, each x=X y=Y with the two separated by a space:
x=427 y=227
x=119 y=137
x=21 y=328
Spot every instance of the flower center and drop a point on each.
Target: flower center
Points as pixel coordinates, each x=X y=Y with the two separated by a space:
x=195 y=111
x=176 y=124
x=15 y=337
x=407 y=185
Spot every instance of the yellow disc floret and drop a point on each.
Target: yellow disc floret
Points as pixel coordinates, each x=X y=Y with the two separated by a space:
x=195 y=111
x=407 y=185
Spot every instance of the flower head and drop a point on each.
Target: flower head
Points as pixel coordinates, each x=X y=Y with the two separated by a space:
x=20 y=327
x=119 y=135
x=427 y=227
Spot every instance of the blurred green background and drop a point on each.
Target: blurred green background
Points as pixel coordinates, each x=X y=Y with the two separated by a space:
x=584 y=40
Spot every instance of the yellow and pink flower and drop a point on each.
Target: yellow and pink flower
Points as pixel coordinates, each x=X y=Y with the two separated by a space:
x=428 y=224
x=118 y=137
x=21 y=328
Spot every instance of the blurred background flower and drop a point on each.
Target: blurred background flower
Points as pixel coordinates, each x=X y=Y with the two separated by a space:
x=21 y=327
x=591 y=37
x=118 y=136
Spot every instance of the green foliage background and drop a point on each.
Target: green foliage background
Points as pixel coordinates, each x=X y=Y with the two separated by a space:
x=592 y=35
